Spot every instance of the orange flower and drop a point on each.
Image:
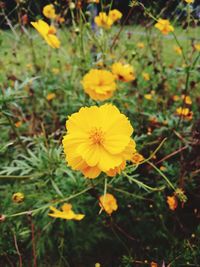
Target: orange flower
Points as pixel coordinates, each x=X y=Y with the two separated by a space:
x=164 y=26
x=108 y=203
x=137 y=158
x=172 y=202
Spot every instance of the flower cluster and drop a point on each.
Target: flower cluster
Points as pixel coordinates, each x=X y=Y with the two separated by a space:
x=164 y=26
x=106 y=21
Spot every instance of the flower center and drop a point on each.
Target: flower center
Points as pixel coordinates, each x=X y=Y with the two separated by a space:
x=97 y=136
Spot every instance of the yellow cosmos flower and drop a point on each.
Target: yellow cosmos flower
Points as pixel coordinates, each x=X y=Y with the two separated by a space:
x=67 y=213
x=137 y=158
x=189 y=1
x=114 y=15
x=99 y=84
x=184 y=112
x=49 y=11
x=197 y=46
x=178 y=50
x=146 y=76
x=164 y=26
x=47 y=32
x=140 y=45
x=172 y=202
x=18 y=197
x=187 y=99
x=108 y=203
x=94 y=144
x=123 y=72
x=104 y=21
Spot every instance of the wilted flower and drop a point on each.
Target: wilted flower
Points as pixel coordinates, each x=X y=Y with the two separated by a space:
x=116 y=170
x=164 y=26
x=66 y=213
x=99 y=84
x=18 y=197
x=47 y=32
x=137 y=158
x=108 y=203
x=104 y=21
x=94 y=144
x=123 y=72
x=49 y=11
x=114 y=15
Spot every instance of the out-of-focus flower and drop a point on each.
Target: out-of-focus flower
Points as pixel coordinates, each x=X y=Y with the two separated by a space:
x=137 y=158
x=2 y=217
x=97 y=264
x=164 y=26
x=163 y=168
x=187 y=99
x=72 y=5
x=154 y=264
x=148 y=96
x=50 y=96
x=108 y=203
x=49 y=11
x=197 y=46
x=60 y=19
x=178 y=50
x=189 y=1
x=66 y=213
x=99 y=84
x=18 y=124
x=24 y=19
x=18 y=197
x=175 y=97
x=172 y=202
x=185 y=113
x=93 y=1
x=123 y=72
x=140 y=45
x=47 y=32
x=94 y=144
x=55 y=70
x=146 y=76
x=114 y=15
x=104 y=21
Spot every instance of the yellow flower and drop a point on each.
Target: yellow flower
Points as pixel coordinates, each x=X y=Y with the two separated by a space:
x=18 y=197
x=187 y=99
x=18 y=124
x=97 y=264
x=108 y=203
x=93 y=1
x=189 y=1
x=137 y=158
x=140 y=45
x=175 y=97
x=178 y=50
x=55 y=70
x=99 y=84
x=49 y=11
x=146 y=76
x=197 y=46
x=148 y=96
x=164 y=26
x=123 y=72
x=104 y=21
x=184 y=112
x=172 y=202
x=67 y=213
x=47 y=32
x=114 y=15
x=94 y=143
x=50 y=96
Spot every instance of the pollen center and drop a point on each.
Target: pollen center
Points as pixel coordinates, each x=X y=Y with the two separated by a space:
x=97 y=136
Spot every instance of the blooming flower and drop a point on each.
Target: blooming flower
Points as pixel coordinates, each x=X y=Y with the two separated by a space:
x=67 y=213
x=146 y=76
x=99 y=84
x=108 y=203
x=197 y=46
x=18 y=197
x=184 y=112
x=18 y=124
x=172 y=202
x=104 y=21
x=94 y=144
x=189 y=1
x=178 y=50
x=114 y=15
x=164 y=26
x=137 y=158
x=123 y=72
x=49 y=11
x=187 y=99
x=148 y=96
x=47 y=32
x=140 y=45
x=50 y=96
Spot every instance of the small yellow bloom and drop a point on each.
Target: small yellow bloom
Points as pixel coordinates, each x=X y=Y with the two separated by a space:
x=189 y=1
x=123 y=72
x=104 y=21
x=18 y=197
x=137 y=158
x=94 y=144
x=163 y=168
x=172 y=202
x=175 y=97
x=184 y=112
x=47 y=32
x=148 y=96
x=187 y=99
x=164 y=26
x=49 y=11
x=197 y=46
x=146 y=76
x=140 y=45
x=55 y=70
x=108 y=203
x=18 y=124
x=50 y=96
x=97 y=264
x=99 y=84
x=66 y=213
x=178 y=50
x=114 y=15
